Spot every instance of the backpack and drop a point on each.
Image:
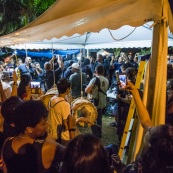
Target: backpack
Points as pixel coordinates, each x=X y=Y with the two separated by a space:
x=96 y=99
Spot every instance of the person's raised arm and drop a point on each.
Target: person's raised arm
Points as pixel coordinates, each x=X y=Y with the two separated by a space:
x=60 y=62
x=3 y=96
x=141 y=109
x=14 y=87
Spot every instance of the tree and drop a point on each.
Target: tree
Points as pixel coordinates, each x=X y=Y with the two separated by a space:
x=15 y=14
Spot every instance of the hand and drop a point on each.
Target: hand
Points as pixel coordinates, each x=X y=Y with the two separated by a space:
x=130 y=87
x=116 y=163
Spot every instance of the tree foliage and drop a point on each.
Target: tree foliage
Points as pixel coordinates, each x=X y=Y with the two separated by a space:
x=15 y=14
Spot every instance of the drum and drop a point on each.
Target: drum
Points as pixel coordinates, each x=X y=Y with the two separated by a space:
x=84 y=110
x=48 y=95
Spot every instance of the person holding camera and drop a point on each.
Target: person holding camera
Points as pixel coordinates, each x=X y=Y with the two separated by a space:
x=124 y=100
x=51 y=76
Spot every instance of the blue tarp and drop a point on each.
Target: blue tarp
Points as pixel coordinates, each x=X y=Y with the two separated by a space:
x=46 y=53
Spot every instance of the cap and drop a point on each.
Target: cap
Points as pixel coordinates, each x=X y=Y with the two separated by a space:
x=75 y=65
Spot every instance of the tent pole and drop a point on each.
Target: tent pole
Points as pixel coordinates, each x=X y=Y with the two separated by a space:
x=26 y=51
x=54 y=84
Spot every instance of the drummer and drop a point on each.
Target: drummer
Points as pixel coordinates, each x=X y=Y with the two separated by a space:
x=59 y=110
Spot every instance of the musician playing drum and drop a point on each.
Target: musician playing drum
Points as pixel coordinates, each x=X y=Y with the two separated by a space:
x=59 y=111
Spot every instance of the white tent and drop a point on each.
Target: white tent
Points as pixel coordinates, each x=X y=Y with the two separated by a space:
x=124 y=37
x=68 y=17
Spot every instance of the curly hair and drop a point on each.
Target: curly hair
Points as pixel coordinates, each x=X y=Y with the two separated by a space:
x=8 y=107
x=85 y=154
x=24 y=81
x=29 y=114
x=158 y=156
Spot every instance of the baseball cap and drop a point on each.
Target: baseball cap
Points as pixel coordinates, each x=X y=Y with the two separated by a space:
x=75 y=65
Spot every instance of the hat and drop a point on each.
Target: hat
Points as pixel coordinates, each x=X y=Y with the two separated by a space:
x=75 y=65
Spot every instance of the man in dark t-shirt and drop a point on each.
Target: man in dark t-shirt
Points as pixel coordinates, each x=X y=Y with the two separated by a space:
x=49 y=73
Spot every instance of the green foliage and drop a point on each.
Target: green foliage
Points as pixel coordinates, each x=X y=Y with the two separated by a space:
x=15 y=14
x=117 y=51
x=145 y=51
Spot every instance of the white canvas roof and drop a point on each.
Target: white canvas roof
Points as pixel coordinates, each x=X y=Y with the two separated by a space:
x=68 y=17
x=124 y=37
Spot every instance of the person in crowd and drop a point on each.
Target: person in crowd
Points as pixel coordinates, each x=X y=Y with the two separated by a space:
x=68 y=71
x=124 y=100
x=88 y=73
x=100 y=61
x=169 y=104
x=6 y=83
x=125 y=66
x=38 y=75
x=93 y=64
x=171 y=59
x=38 y=72
x=50 y=75
x=85 y=154
x=94 y=89
x=23 y=90
x=111 y=69
x=7 y=110
x=169 y=71
x=66 y=66
x=18 y=63
x=117 y=65
x=25 y=68
x=135 y=63
x=1 y=66
x=169 y=112
x=75 y=79
x=59 y=110
x=157 y=153
x=27 y=152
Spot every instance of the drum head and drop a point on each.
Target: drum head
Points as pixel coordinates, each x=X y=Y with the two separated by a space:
x=86 y=109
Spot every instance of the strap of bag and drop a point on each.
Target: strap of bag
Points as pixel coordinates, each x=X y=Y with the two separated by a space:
x=61 y=128
x=98 y=84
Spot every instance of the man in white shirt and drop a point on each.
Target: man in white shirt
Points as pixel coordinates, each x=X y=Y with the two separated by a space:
x=100 y=93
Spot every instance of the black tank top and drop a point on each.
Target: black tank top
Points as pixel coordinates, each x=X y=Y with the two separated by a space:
x=28 y=159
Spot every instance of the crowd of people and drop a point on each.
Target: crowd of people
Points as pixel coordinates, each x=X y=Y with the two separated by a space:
x=39 y=139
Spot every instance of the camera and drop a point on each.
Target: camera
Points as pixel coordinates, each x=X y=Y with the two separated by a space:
x=122 y=80
x=35 y=88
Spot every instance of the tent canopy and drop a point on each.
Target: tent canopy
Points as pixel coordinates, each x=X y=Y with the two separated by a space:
x=68 y=17
x=124 y=37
